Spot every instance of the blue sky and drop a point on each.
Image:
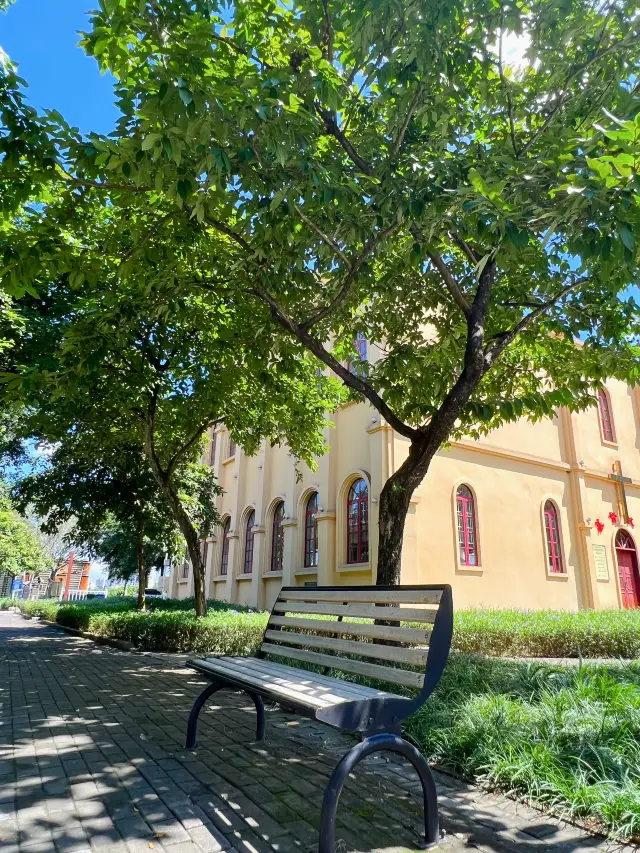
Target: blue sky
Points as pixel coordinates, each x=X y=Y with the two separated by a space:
x=42 y=37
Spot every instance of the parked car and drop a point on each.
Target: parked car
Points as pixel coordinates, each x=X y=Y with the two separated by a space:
x=153 y=593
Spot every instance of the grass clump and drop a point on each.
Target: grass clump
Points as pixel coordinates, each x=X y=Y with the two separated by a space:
x=549 y=633
x=567 y=738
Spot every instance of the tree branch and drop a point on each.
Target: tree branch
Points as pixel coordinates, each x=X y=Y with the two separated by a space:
x=224 y=229
x=450 y=282
x=415 y=101
x=471 y=254
x=572 y=76
x=328 y=31
x=331 y=126
x=186 y=447
x=507 y=88
x=502 y=340
x=350 y=379
x=342 y=294
x=324 y=237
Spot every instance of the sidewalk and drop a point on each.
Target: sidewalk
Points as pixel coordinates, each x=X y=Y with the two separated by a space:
x=92 y=759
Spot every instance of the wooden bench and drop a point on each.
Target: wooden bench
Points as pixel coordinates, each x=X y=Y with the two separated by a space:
x=398 y=635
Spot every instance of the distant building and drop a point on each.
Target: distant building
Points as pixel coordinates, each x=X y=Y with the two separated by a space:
x=5 y=584
x=35 y=586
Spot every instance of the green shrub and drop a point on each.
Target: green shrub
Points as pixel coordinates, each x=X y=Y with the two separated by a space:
x=179 y=631
x=567 y=737
x=6 y=603
x=45 y=608
x=549 y=633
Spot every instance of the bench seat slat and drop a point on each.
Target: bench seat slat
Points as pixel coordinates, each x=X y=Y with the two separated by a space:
x=370 y=595
x=287 y=683
x=369 y=670
x=306 y=677
x=414 y=656
x=355 y=629
x=360 y=611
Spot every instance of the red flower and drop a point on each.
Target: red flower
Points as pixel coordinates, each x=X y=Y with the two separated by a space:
x=631 y=524
x=613 y=518
x=599 y=526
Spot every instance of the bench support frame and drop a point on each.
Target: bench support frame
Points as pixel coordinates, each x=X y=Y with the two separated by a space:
x=385 y=742
x=192 y=725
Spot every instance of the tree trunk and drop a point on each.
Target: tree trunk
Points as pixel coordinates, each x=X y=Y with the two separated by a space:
x=395 y=498
x=124 y=591
x=163 y=479
x=190 y=535
x=142 y=572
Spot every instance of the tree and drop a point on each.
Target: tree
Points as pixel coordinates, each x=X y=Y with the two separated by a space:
x=104 y=493
x=388 y=169
x=20 y=549
x=149 y=341
x=117 y=545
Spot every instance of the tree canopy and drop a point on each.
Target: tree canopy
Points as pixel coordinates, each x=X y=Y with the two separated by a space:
x=455 y=179
x=20 y=549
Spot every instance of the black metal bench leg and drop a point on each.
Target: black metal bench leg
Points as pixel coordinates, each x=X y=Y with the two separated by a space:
x=192 y=725
x=260 y=719
x=378 y=743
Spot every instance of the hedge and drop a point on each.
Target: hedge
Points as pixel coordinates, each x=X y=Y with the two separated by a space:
x=225 y=630
x=506 y=633
x=549 y=633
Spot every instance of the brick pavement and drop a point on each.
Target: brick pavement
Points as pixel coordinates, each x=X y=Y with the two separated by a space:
x=92 y=760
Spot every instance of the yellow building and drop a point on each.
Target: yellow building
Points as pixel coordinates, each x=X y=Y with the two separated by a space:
x=530 y=516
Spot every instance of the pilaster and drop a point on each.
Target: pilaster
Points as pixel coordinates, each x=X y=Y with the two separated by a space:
x=588 y=594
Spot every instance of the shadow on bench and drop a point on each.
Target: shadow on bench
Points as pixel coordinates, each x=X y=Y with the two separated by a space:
x=358 y=631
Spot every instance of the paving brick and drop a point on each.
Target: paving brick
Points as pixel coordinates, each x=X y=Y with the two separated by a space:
x=93 y=762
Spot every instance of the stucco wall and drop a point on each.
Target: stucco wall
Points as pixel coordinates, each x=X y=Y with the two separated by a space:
x=511 y=472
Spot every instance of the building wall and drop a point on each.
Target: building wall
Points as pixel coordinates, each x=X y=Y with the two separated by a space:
x=512 y=473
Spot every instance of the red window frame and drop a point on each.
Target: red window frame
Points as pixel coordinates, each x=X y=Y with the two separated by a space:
x=467 y=526
x=247 y=566
x=552 y=537
x=606 y=420
x=358 y=522
x=277 y=538
x=224 y=553
x=311 y=532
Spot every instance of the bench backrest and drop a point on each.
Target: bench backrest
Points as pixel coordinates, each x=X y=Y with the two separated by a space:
x=394 y=634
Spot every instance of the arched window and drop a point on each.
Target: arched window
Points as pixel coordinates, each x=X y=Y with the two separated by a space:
x=232 y=447
x=358 y=523
x=467 y=527
x=606 y=420
x=277 y=538
x=247 y=568
x=224 y=553
x=624 y=541
x=311 y=532
x=204 y=550
x=552 y=535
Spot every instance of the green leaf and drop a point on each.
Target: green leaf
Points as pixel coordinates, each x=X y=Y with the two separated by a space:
x=150 y=140
x=627 y=237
